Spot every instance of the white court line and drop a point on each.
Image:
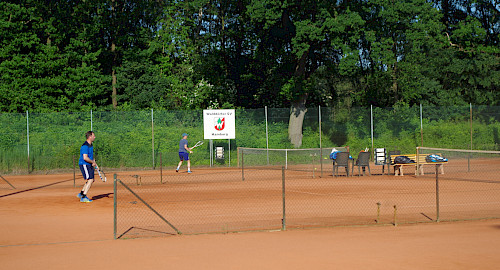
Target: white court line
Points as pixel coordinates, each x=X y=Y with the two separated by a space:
x=411 y=206
x=300 y=192
x=455 y=204
x=310 y=193
x=246 y=214
x=351 y=193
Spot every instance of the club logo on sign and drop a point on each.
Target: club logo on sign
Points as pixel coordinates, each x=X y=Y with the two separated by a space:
x=219 y=123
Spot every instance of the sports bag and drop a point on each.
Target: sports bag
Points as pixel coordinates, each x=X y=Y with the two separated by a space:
x=403 y=160
x=435 y=158
x=333 y=154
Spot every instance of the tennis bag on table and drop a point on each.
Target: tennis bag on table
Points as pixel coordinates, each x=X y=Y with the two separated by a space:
x=403 y=160
x=435 y=158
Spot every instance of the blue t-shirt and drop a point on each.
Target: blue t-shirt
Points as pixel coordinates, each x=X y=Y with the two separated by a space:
x=181 y=145
x=86 y=149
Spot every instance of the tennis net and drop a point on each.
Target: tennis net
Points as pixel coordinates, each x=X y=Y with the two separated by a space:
x=473 y=165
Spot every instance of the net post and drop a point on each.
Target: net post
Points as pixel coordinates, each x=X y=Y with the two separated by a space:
x=283 y=220
x=417 y=172
x=312 y=162
x=286 y=158
x=161 y=169
x=114 y=206
x=242 y=166
x=437 y=194
x=238 y=156
x=468 y=162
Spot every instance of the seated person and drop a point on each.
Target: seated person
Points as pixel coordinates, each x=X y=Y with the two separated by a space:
x=333 y=154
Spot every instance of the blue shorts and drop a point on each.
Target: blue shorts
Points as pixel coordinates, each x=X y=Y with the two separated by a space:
x=87 y=171
x=183 y=156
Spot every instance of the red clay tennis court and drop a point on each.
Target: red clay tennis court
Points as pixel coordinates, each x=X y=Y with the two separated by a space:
x=44 y=225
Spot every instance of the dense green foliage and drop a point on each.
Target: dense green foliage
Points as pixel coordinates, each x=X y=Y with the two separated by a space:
x=132 y=55
x=121 y=58
x=134 y=139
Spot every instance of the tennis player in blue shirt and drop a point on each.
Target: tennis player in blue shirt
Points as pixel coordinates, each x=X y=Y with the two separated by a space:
x=184 y=151
x=87 y=164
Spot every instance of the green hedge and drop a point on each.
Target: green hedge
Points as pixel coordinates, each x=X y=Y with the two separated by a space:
x=124 y=139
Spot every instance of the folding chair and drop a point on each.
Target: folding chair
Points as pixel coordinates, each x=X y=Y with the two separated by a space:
x=362 y=161
x=342 y=160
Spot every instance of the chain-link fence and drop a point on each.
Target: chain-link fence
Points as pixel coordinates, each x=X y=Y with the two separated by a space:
x=468 y=184
x=46 y=141
x=266 y=198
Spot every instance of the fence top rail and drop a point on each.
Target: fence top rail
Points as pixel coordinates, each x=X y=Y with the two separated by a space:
x=458 y=150
x=286 y=149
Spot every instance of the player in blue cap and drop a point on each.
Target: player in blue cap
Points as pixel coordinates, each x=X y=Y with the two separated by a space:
x=87 y=164
x=184 y=151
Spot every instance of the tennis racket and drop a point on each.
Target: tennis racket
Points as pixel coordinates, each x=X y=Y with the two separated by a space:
x=101 y=174
x=197 y=144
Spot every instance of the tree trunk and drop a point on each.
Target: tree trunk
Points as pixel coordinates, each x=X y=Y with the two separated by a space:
x=298 y=110
x=113 y=52
x=113 y=76
x=297 y=113
x=113 y=83
x=394 y=86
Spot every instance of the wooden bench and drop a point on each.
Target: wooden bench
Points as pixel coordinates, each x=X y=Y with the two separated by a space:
x=419 y=163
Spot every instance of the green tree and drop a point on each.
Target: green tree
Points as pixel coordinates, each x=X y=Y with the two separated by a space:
x=472 y=69
x=296 y=38
x=402 y=44
x=47 y=62
x=121 y=26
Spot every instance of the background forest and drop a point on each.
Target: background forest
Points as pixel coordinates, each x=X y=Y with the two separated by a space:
x=60 y=60
x=198 y=54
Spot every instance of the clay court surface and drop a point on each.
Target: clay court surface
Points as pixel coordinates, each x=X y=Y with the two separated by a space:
x=44 y=225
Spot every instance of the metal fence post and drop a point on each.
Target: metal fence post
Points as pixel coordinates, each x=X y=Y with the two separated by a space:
x=320 y=143
x=28 y=138
x=153 y=138
x=470 y=126
x=74 y=171
x=267 y=137
x=371 y=127
x=283 y=221
x=421 y=127
x=115 y=195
